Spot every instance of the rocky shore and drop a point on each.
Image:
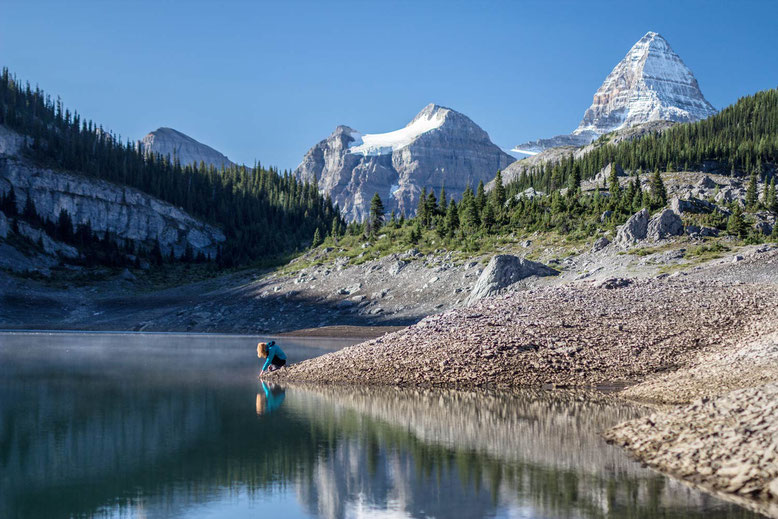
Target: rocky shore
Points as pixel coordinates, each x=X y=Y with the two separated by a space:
x=701 y=335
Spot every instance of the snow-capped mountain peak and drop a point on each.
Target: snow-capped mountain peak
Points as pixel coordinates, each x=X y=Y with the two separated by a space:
x=651 y=83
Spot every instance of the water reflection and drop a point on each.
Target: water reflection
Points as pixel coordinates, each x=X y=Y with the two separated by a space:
x=128 y=427
x=269 y=398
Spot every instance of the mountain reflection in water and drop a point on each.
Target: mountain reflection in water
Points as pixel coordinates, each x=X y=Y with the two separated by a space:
x=128 y=429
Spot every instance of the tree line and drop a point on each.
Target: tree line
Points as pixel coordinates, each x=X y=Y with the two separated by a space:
x=263 y=213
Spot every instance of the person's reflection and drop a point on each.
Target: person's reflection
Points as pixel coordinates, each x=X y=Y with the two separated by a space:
x=270 y=398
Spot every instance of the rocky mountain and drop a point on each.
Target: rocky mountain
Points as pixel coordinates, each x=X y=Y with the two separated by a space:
x=172 y=143
x=127 y=213
x=651 y=83
x=438 y=148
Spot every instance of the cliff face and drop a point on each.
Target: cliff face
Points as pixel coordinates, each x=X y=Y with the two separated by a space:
x=651 y=83
x=126 y=213
x=172 y=143
x=439 y=147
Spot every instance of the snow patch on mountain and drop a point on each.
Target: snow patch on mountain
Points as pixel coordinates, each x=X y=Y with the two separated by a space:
x=374 y=144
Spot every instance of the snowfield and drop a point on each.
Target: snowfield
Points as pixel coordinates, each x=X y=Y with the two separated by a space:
x=372 y=144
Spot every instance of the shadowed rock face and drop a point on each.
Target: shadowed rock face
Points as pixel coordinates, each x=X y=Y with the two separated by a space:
x=651 y=83
x=172 y=143
x=439 y=147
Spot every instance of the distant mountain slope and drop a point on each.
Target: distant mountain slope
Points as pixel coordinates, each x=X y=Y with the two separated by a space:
x=172 y=143
x=263 y=215
x=651 y=83
x=438 y=148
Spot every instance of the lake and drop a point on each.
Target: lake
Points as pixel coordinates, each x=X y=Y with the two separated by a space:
x=163 y=425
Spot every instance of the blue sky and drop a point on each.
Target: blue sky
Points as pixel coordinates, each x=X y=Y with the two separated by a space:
x=267 y=80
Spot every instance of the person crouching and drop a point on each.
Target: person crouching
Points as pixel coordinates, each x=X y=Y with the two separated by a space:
x=274 y=355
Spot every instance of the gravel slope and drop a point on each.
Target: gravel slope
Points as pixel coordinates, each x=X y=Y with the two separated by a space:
x=572 y=335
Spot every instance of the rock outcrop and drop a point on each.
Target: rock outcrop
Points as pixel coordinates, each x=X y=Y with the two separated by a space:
x=640 y=227
x=126 y=213
x=634 y=230
x=691 y=205
x=438 y=148
x=174 y=144
x=665 y=224
x=651 y=83
x=502 y=271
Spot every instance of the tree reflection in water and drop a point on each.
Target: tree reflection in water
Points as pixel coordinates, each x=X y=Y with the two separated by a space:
x=88 y=443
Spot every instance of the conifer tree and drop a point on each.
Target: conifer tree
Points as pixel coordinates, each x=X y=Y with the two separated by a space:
x=316 y=238
x=488 y=220
x=751 y=194
x=421 y=208
x=452 y=217
x=480 y=197
x=658 y=191
x=377 y=213
x=772 y=198
x=499 y=191
x=443 y=202
x=735 y=224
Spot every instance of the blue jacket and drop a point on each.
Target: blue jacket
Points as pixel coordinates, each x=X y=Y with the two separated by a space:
x=273 y=400
x=272 y=352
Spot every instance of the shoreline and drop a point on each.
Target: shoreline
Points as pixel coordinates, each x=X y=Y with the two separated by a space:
x=328 y=332
x=662 y=343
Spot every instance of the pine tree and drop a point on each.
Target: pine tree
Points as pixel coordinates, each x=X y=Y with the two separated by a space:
x=772 y=198
x=471 y=220
x=499 y=191
x=421 y=208
x=376 y=212
x=452 y=217
x=316 y=238
x=443 y=202
x=658 y=191
x=480 y=197
x=735 y=224
x=751 y=193
x=488 y=220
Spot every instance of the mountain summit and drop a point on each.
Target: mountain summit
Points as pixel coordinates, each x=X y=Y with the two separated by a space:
x=439 y=147
x=172 y=143
x=651 y=83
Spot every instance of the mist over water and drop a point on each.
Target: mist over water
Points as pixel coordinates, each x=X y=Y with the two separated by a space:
x=148 y=425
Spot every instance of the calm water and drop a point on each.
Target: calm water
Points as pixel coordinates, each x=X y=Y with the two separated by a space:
x=146 y=426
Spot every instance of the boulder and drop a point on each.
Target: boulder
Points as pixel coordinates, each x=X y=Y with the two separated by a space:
x=605 y=216
x=691 y=205
x=634 y=230
x=665 y=224
x=600 y=244
x=502 y=271
x=707 y=183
